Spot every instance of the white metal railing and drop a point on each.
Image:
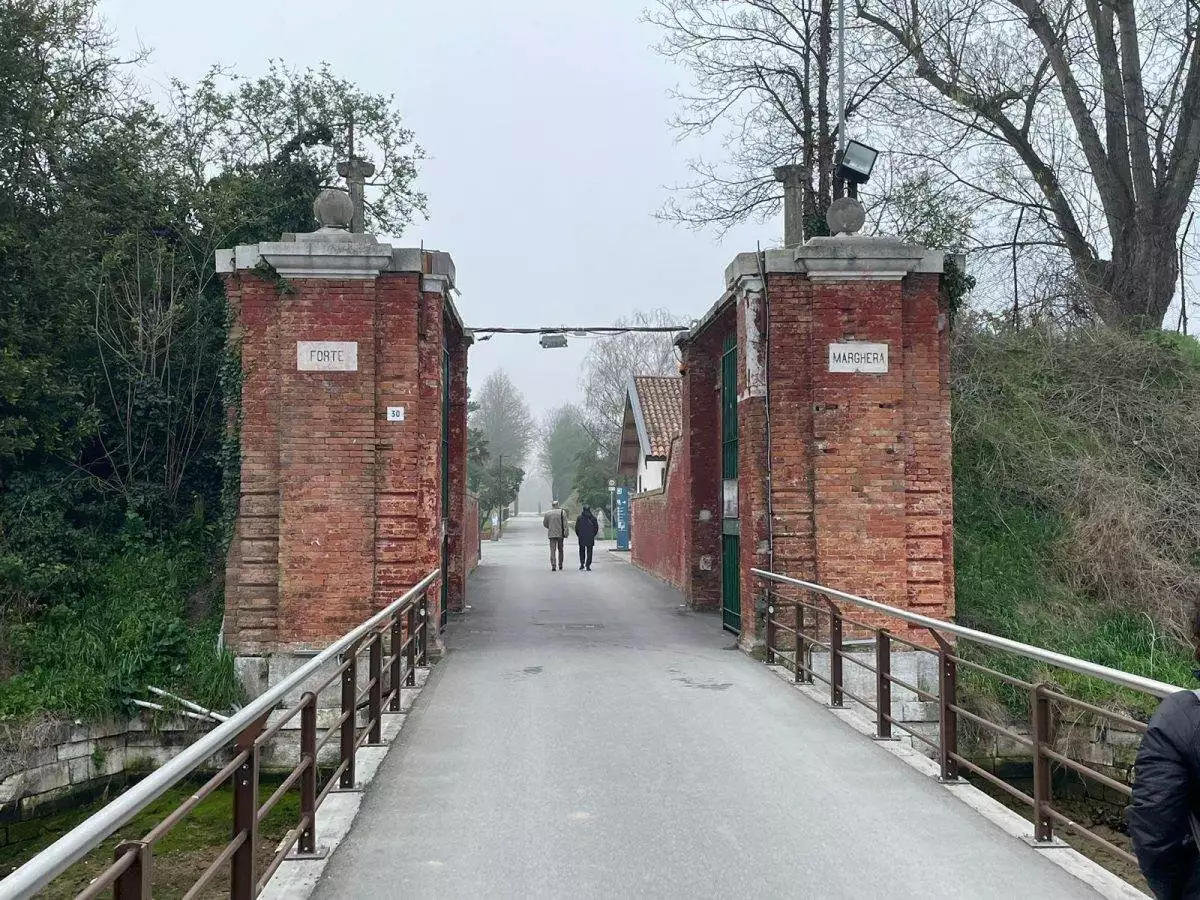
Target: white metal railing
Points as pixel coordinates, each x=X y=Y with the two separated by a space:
x=85 y=837
x=796 y=625
x=1062 y=661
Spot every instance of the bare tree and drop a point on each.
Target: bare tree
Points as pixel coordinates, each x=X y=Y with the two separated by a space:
x=761 y=70
x=914 y=204
x=1083 y=114
x=612 y=361
x=504 y=418
x=155 y=333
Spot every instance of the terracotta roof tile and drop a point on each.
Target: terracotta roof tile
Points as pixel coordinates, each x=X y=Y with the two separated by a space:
x=661 y=399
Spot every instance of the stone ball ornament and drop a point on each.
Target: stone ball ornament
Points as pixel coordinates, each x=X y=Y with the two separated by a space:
x=333 y=208
x=845 y=216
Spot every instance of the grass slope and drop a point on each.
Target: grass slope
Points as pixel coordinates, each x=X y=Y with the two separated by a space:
x=1077 y=472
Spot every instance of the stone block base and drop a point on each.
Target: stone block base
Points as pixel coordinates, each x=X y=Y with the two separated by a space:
x=260 y=673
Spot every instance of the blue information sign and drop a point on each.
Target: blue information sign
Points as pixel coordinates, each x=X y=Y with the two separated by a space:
x=622 y=518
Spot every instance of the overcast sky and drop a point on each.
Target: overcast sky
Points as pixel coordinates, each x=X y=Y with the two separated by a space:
x=546 y=128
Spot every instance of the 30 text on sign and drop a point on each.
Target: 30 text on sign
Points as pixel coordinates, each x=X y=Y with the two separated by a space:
x=327 y=356
x=858 y=356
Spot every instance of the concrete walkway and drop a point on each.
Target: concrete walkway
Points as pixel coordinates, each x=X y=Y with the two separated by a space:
x=585 y=737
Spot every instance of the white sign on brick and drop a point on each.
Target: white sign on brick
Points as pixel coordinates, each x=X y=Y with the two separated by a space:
x=858 y=356
x=729 y=498
x=327 y=356
x=395 y=413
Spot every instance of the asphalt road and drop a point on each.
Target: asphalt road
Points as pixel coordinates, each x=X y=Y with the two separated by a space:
x=586 y=737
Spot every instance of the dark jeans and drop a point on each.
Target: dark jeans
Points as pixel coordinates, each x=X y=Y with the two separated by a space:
x=585 y=555
x=556 y=544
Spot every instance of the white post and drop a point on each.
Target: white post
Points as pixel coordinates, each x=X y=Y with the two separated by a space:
x=841 y=76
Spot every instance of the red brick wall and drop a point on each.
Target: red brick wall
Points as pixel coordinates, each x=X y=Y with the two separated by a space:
x=752 y=464
x=252 y=576
x=340 y=509
x=430 y=325
x=789 y=301
x=405 y=544
x=858 y=425
x=700 y=451
x=459 y=516
x=656 y=519
x=929 y=520
x=792 y=450
x=326 y=464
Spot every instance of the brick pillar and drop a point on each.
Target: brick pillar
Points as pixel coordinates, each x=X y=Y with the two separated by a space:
x=701 y=448
x=755 y=539
x=340 y=513
x=860 y=461
x=858 y=438
x=462 y=531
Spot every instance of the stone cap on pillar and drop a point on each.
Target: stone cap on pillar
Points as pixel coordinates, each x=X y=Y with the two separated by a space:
x=434 y=264
x=332 y=251
x=849 y=257
x=856 y=257
x=303 y=258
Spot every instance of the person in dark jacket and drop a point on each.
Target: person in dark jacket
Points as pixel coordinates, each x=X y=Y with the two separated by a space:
x=1166 y=796
x=586 y=529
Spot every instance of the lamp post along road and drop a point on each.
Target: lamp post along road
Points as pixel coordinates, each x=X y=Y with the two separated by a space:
x=612 y=505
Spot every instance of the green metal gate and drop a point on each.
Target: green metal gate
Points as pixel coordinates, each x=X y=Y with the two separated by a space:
x=445 y=486
x=731 y=582
x=731 y=585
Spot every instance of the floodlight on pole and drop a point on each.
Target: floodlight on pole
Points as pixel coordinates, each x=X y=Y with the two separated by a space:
x=855 y=164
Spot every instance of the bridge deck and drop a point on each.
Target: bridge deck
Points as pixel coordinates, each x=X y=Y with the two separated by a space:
x=587 y=738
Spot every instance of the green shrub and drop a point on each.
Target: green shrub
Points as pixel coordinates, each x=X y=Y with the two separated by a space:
x=146 y=615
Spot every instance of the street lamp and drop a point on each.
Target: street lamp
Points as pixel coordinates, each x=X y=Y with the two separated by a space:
x=612 y=505
x=498 y=514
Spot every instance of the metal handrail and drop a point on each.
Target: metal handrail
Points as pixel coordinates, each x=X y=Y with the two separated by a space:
x=83 y=838
x=1070 y=663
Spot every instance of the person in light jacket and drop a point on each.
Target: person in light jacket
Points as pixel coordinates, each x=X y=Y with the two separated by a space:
x=586 y=529
x=1163 y=813
x=555 y=523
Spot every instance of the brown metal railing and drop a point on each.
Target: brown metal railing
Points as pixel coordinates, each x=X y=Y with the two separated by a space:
x=795 y=626
x=395 y=641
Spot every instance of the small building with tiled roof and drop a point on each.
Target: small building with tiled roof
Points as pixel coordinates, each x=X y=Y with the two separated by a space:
x=653 y=419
